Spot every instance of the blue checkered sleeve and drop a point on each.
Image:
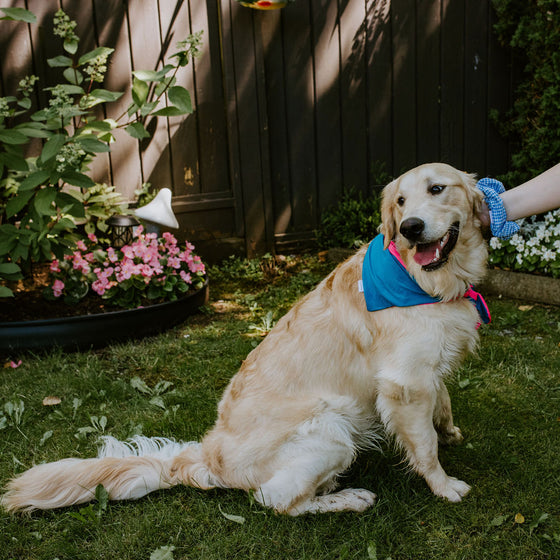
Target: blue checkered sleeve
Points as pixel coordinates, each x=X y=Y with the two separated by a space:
x=499 y=223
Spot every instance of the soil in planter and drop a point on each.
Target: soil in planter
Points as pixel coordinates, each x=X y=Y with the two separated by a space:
x=28 y=303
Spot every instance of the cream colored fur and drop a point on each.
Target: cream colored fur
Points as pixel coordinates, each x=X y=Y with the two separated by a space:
x=320 y=385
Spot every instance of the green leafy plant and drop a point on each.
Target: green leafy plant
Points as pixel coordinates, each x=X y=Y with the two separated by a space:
x=534 y=249
x=352 y=222
x=44 y=196
x=532 y=29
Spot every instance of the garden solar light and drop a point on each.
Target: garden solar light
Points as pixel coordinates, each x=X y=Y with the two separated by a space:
x=122 y=229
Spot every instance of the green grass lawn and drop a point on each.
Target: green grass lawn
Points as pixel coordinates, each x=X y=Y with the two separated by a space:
x=506 y=400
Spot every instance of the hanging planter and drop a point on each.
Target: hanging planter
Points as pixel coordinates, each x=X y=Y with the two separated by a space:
x=265 y=4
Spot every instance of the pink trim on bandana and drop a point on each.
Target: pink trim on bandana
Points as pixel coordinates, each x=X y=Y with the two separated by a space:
x=395 y=252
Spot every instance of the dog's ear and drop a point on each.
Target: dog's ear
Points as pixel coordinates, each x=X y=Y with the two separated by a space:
x=388 y=223
x=474 y=194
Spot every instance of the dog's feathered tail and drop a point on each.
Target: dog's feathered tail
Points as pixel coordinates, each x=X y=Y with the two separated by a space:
x=127 y=470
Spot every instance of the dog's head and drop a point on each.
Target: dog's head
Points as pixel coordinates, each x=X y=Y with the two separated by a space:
x=431 y=214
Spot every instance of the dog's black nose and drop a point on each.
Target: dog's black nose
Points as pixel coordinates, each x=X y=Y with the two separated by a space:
x=412 y=228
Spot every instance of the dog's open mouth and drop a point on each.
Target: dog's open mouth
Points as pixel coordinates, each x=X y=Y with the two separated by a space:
x=432 y=256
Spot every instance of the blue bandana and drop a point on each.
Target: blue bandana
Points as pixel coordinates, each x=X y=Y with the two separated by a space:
x=387 y=283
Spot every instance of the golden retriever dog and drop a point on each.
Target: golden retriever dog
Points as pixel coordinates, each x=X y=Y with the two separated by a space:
x=330 y=379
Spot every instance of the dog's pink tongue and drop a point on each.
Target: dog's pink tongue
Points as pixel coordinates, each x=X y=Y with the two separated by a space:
x=428 y=253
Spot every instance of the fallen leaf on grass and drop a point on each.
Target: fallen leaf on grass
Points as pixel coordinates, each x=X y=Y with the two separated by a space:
x=235 y=518
x=525 y=307
x=163 y=553
x=519 y=518
x=51 y=401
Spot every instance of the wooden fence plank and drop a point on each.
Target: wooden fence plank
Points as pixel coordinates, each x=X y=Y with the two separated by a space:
x=327 y=103
x=452 y=82
x=353 y=95
x=428 y=25
x=211 y=129
x=379 y=74
x=404 y=86
x=298 y=70
x=476 y=87
x=144 y=22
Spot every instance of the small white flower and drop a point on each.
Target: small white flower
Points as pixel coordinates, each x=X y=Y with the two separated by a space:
x=495 y=243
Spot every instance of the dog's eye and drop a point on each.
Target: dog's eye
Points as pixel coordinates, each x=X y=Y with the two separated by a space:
x=436 y=189
x=400 y=200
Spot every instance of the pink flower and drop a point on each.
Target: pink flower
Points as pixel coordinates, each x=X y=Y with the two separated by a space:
x=15 y=365
x=81 y=245
x=54 y=266
x=92 y=238
x=173 y=262
x=58 y=287
x=185 y=276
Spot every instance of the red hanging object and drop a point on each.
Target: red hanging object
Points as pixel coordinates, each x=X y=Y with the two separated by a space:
x=264 y=4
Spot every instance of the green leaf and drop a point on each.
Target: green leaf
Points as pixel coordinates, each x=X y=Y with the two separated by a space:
x=163 y=553
x=137 y=130
x=17 y=203
x=235 y=518
x=44 y=201
x=33 y=130
x=14 y=161
x=9 y=268
x=72 y=89
x=25 y=103
x=19 y=14
x=147 y=108
x=168 y=112
x=35 y=179
x=59 y=62
x=180 y=98
x=92 y=144
x=65 y=224
x=148 y=75
x=140 y=385
x=140 y=91
x=99 y=51
x=5 y=292
x=52 y=147
x=12 y=136
x=70 y=205
x=106 y=95
x=78 y=179
x=71 y=45
x=102 y=126
x=73 y=76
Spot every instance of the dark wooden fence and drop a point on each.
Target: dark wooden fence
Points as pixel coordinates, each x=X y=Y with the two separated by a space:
x=292 y=106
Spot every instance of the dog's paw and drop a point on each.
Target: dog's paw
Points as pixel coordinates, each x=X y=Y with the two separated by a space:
x=450 y=437
x=454 y=490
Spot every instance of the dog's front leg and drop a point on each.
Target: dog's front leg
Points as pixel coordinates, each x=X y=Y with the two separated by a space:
x=448 y=433
x=407 y=413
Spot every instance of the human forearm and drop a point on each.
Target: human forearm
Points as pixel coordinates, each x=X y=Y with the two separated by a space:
x=540 y=194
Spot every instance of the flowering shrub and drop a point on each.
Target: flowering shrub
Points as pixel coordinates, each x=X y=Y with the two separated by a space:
x=535 y=248
x=150 y=268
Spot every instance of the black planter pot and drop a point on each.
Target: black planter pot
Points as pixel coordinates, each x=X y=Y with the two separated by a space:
x=93 y=331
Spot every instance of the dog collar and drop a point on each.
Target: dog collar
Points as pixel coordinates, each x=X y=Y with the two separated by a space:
x=387 y=283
